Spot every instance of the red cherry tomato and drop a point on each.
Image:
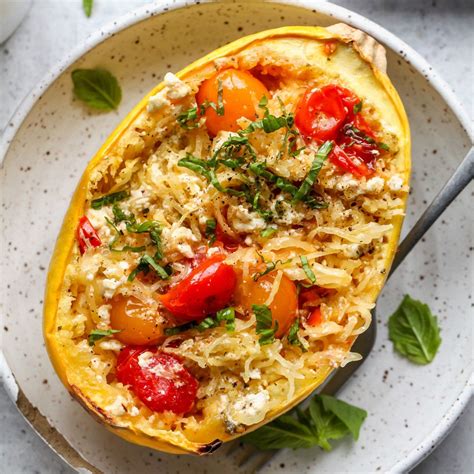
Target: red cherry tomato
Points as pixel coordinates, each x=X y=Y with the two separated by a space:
x=159 y=380
x=208 y=288
x=310 y=297
x=322 y=112
x=229 y=243
x=349 y=161
x=241 y=93
x=315 y=317
x=87 y=236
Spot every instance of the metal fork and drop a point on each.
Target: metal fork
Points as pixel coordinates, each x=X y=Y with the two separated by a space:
x=255 y=459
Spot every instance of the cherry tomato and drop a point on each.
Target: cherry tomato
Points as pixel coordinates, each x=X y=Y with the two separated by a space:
x=312 y=296
x=137 y=324
x=349 y=161
x=322 y=112
x=87 y=236
x=208 y=288
x=315 y=317
x=284 y=306
x=241 y=93
x=159 y=380
x=228 y=242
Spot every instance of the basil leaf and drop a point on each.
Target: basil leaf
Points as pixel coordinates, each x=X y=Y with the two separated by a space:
x=210 y=231
x=357 y=108
x=307 y=269
x=264 y=327
x=284 y=432
x=383 y=146
x=270 y=267
x=351 y=416
x=109 y=199
x=326 y=424
x=414 y=331
x=97 y=334
x=268 y=232
x=325 y=419
x=206 y=323
x=87 y=7
x=98 y=88
x=227 y=315
x=293 y=338
x=158 y=268
x=179 y=329
x=188 y=119
x=321 y=156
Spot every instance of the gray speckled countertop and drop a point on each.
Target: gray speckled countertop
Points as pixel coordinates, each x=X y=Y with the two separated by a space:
x=440 y=30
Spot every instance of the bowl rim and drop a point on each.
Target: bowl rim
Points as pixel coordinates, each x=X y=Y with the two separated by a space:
x=340 y=14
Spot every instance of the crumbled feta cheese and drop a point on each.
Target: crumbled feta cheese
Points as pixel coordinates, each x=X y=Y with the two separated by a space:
x=177 y=89
x=243 y=220
x=146 y=361
x=179 y=239
x=134 y=411
x=395 y=183
x=174 y=89
x=117 y=408
x=352 y=250
x=104 y=314
x=111 y=345
x=250 y=409
x=255 y=374
x=109 y=286
x=97 y=218
x=347 y=183
x=374 y=185
x=124 y=265
x=90 y=276
x=212 y=251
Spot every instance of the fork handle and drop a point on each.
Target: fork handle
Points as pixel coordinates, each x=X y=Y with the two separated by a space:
x=455 y=184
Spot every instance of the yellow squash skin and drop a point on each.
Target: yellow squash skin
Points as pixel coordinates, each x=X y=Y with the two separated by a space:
x=371 y=53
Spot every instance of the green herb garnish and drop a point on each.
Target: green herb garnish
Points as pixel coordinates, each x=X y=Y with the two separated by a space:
x=210 y=231
x=268 y=232
x=319 y=159
x=97 y=334
x=307 y=269
x=414 y=331
x=188 y=119
x=357 y=108
x=227 y=315
x=109 y=199
x=145 y=263
x=383 y=146
x=87 y=7
x=325 y=419
x=98 y=88
x=293 y=337
x=264 y=326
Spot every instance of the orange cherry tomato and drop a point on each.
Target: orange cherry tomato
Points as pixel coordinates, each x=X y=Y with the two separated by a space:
x=241 y=93
x=315 y=317
x=284 y=306
x=138 y=325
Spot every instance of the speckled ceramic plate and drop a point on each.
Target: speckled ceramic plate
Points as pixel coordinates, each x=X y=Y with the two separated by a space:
x=48 y=144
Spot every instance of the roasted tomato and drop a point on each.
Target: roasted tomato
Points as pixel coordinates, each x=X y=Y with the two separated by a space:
x=322 y=112
x=284 y=306
x=349 y=161
x=315 y=317
x=228 y=242
x=138 y=325
x=241 y=93
x=159 y=380
x=87 y=236
x=207 y=289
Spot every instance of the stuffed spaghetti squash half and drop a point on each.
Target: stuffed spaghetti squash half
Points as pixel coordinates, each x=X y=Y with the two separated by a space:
x=225 y=246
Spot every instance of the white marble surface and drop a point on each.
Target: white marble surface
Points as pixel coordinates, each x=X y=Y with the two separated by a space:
x=440 y=30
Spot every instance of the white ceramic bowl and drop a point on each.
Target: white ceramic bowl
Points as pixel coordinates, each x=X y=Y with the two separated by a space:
x=48 y=144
